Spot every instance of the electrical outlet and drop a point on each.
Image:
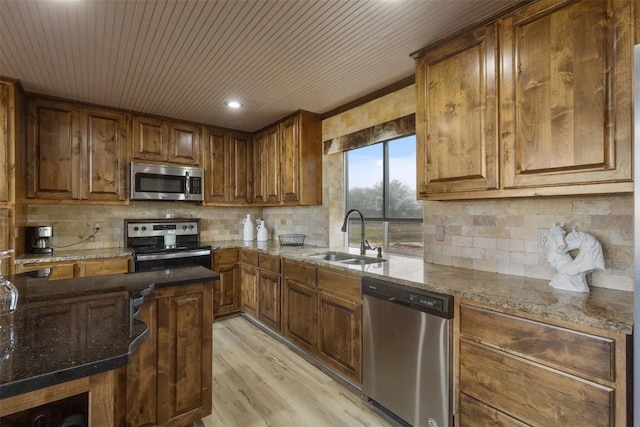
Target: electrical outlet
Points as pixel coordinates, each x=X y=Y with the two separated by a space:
x=543 y=236
x=96 y=226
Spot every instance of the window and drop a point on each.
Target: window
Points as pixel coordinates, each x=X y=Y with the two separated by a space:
x=381 y=183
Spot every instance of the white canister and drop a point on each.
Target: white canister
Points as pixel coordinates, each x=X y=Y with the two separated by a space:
x=247 y=229
x=263 y=233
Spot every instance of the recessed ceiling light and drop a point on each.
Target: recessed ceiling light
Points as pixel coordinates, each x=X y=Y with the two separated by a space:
x=233 y=104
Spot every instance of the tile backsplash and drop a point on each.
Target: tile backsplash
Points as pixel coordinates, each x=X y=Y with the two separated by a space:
x=502 y=235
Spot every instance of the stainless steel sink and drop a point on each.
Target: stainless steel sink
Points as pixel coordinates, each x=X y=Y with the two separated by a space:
x=344 y=258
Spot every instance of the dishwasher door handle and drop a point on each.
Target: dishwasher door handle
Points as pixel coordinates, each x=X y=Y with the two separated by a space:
x=399 y=301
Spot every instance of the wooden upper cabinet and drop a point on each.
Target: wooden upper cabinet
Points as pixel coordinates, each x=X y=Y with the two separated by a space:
x=53 y=150
x=301 y=159
x=6 y=163
x=240 y=168
x=538 y=103
x=104 y=160
x=150 y=138
x=228 y=158
x=456 y=116
x=158 y=140
x=75 y=153
x=217 y=166
x=184 y=144
x=266 y=162
x=287 y=160
x=565 y=94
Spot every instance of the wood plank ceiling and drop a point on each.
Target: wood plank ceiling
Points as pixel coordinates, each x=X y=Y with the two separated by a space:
x=185 y=58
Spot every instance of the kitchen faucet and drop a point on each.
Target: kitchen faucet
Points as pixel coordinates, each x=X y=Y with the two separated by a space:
x=363 y=246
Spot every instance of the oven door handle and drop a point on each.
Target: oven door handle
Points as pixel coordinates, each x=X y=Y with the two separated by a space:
x=175 y=255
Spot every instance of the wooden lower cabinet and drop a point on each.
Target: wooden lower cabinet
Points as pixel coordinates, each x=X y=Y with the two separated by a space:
x=71 y=269
x=226 y=290
x=517 y=370
x=300 y=306
x=261 y=287
x=248 y=261
x=341 y=335
x=169 y=378
x=340 y=322
x=269 y=294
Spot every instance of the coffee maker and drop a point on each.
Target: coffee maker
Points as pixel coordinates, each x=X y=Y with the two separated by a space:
x=37 y=239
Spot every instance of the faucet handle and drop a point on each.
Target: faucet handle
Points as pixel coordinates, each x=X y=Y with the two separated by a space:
x=377 y=248
x=367 y=245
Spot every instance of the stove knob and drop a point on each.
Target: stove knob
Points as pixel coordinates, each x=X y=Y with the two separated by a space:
x=144 y=228
x=191 y=227
x=184 y=227
x=135 y=228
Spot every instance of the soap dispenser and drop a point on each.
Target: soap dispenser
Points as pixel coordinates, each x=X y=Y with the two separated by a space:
x=247 y=230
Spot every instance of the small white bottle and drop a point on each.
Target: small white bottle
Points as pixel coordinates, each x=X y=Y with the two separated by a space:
x=263 y=233
x=247 y=230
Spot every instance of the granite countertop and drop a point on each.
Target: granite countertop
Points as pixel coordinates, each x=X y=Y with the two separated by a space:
x=601 y=308
x=73 y=255
x=49 y=340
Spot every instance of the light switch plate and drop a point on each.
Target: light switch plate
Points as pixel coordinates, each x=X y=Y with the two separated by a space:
x=440 y=232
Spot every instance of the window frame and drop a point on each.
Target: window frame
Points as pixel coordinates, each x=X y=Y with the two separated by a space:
x=385 y=219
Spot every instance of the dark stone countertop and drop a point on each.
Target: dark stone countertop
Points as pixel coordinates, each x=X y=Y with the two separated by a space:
x=73 y=328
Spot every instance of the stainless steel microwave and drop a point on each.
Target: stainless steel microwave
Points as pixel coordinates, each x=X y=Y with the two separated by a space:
x=166 y=182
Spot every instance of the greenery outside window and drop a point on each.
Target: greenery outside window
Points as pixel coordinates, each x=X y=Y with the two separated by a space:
x=381 y=183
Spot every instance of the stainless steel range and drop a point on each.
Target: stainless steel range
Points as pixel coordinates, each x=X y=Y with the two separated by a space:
x=158 y=244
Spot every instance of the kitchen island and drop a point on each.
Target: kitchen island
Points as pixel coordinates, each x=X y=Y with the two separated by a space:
x=84 y=334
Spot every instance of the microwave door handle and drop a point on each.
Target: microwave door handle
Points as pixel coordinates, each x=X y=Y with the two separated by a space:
x=187 y=189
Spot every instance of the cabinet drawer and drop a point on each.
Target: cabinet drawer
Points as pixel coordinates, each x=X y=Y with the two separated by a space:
x=537 y=395
x=249 y=258
x=339 y=283
x=105 y=266
x=301 y=273
x=575 y=350
x=269 y=263
x=476 y=414
x=225 y=256
x=58 y=270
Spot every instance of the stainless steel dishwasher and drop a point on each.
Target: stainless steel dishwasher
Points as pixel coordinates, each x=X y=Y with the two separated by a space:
x=407 y=352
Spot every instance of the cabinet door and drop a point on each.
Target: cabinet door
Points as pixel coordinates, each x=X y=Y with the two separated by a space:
x=240 y=168
x=456 y=116
x=53 y=150
x=266 y=161
x=565 y=94
x=185 y=327
x=150 y=139
x=184 y=144
x=142 y=371
x=300 y=315
x=6 y=171
x=290 y=159
x=340 y=343
x=269 y=299
x=249 y=289
x=226 y=291
x=104 y=161
x=218 y=187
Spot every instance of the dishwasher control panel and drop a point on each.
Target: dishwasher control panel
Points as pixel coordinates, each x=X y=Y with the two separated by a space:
x=419 y=299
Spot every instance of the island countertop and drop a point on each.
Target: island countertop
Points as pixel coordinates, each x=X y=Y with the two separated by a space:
x=73 y=328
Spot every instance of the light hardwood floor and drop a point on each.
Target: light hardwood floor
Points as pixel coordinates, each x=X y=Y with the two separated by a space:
x=259 y=381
